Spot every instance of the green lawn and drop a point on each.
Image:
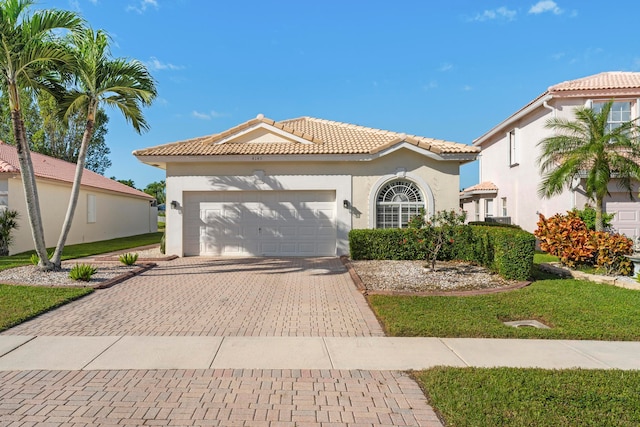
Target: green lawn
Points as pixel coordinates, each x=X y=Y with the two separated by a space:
x=574 y=309
x=86 y=249
x=540 y=257
x=533 y=397
x=19 y=303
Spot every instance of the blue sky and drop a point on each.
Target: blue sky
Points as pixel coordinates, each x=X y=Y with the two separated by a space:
x=441 y=69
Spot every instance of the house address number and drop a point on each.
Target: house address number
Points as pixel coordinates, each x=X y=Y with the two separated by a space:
x=256 y=157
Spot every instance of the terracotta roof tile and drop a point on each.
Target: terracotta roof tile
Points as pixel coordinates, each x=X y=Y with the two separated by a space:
x=607 y=80
x=486 y=186
x=326 y=137
x=59 y=170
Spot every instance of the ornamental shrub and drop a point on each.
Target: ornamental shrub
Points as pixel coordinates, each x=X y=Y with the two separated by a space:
x=8 y=223
x=588 y=215
x=568 y=237
x=129 y=258
x=82 y=272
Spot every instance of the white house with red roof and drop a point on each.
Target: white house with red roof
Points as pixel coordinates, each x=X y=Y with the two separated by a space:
x=297 y=187
x=509 y=173
x=106 y=208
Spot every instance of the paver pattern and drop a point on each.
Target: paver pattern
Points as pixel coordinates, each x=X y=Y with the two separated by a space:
x=213 y=397
x=220 y=297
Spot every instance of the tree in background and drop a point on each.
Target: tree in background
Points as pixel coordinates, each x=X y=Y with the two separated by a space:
x=157 y=190
x=30 y=54
x=127 y=182
x=588 y=145
x=49 y=134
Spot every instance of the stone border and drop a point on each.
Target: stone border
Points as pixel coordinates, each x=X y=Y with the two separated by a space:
x=557 y=269
x=362 y=288
x=124 y=276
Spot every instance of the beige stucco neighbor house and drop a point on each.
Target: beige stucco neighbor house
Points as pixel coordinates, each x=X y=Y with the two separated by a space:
x=297 y=187
x=509 y=173
x=106 y=209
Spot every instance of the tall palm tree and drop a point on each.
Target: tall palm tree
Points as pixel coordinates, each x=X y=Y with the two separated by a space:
x=29 y=53
x=98 y=79
x=589 y=147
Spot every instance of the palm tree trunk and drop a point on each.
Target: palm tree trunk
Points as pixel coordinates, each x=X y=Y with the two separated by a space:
x=75 y=191
x=30 y=190
x=599 y=209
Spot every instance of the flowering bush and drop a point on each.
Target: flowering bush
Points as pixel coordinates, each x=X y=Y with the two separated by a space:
x=438 y=231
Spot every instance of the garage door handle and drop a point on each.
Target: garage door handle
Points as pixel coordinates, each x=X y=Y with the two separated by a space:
x=259 y=230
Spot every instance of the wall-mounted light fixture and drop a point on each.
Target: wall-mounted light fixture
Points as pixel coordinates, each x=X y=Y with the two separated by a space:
x=174 y=204
x=345 y=204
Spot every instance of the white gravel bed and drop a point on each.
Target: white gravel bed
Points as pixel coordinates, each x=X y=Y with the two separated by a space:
x=411 y=276
x=31 y=275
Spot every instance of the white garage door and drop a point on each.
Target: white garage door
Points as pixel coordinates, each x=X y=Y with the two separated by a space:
x=627 y=217
x=269 y=223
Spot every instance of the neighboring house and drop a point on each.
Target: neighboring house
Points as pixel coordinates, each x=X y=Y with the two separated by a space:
x=297 y=187
x=509 y=171
x=106 y=209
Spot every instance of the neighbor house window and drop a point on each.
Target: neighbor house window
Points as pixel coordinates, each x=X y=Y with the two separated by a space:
x=91 y=208
x=504 y=206
x=488 y=207
x=513 y=148
x=397 y=202
x=620 y=112
x=476 y=208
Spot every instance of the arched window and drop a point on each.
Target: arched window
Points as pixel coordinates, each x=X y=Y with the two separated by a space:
x=397 y=202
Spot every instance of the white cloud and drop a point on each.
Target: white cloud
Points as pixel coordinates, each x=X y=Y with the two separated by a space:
x=208 y=116
x=446 y=67
x=499 y=13
x=141 y=6
x=431 y=85
x=545 y=6
x=154 y=64
x=467 y=88
x=558 y=56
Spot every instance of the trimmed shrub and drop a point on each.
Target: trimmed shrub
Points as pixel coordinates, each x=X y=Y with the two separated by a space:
x=494 y=224
x=506 y=251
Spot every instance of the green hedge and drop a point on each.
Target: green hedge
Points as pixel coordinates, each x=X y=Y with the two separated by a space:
x=507 y=251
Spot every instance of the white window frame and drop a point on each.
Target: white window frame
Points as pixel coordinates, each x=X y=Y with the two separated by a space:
x=91 y=209
x=476 y=208
x=488 y=208
x=512 y=137
x=614 y=122
x=504 y=207
x=406 y=203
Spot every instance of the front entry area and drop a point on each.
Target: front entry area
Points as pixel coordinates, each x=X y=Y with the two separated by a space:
x=260 y=223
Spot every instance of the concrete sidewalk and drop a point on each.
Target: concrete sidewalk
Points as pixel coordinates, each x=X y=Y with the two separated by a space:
x=345 y=353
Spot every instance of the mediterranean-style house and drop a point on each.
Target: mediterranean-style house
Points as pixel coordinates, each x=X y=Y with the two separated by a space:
x=297 y=187
x=106 y=209
x=509 y=172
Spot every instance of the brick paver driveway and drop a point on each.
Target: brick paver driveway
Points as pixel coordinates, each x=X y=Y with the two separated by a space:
x=220 y=297
x=217 y=297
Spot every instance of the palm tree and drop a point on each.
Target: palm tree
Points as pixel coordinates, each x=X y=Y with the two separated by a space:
x=589 y=147
x=29 y=52
x=98 y=79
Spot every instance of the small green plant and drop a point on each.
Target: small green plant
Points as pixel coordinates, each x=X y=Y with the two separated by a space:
x=8 y=223
x=163 y=243
x=129 y=258
x=82 y=272
x=588 y=215
x=35 y=259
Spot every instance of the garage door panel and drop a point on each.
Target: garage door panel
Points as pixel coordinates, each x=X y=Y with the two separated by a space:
x=626 y=218
x=260 y=223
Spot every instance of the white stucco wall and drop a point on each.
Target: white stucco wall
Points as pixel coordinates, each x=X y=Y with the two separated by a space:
x=352 y=181
x=519 y=184
x=116 y=215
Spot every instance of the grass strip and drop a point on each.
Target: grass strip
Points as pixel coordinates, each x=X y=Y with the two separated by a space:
x=20 y=303
x=533 y=397
x=574 y=309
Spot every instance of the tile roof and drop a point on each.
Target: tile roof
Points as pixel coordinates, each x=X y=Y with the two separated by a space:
x=602 y=81
x=317 y=136
x=59 y=170
x=483 y=187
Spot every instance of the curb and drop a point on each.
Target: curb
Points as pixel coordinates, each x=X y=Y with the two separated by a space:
x=604 y=280
x=128 y=275
x=362 y=288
